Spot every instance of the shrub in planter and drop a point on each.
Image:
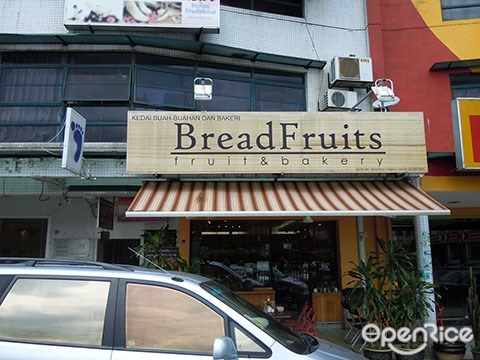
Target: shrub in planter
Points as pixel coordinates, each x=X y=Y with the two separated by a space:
x=373 y=353
x=449 y=351
x=417 y=356
x=393 y=293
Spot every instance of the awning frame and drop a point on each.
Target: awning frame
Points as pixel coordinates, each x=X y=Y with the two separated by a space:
x=282 y=199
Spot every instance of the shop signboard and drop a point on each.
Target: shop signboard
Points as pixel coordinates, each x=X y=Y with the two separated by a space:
x=275 y=143
x=105 y=214
x=73 y=140
x=466 y=115
x=153 y=15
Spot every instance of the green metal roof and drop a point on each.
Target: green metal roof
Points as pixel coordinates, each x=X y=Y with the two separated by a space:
x=197 y=47
x=458 y=64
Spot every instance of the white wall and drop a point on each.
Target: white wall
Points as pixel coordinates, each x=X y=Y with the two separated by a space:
x=331 y=28
x=73 y=219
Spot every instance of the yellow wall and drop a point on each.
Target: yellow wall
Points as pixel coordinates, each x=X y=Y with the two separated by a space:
x=450 y=183
x=347 y=246
x=460 y=36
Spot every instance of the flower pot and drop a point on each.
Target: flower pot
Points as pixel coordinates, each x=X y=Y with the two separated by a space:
x=449 y=351
x=417 y=356
x=377 y=354
x=476 y=354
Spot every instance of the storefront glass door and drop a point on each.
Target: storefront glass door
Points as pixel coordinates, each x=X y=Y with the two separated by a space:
x=292 y=256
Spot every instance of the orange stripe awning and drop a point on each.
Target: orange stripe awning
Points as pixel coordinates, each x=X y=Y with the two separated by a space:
x=282 y=198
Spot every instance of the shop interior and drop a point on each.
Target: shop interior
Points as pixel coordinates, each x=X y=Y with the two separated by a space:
x=294 y=257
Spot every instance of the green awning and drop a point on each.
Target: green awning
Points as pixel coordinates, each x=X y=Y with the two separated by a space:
x=197 y=47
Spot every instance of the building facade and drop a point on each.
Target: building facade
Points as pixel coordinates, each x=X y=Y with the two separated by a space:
x=129 y=69
x=431 y=50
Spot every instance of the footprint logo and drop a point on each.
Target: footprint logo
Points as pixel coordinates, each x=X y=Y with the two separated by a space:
x=78 y=138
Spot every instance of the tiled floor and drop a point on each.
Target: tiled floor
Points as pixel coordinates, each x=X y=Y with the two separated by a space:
x=334 y=332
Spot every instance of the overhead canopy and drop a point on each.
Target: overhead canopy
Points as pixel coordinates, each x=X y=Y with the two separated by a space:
x=282 y=198
x=457 y=64
x=198 y=47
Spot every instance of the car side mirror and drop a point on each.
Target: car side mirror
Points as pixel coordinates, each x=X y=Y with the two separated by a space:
x=224 y=349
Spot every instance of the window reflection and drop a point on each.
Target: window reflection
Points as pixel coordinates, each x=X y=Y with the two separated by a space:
x=245 y=344
x=73 y=309
x=156 y=319
x=37 y=88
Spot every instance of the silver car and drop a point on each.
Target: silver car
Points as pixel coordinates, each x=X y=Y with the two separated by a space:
x=53 y=309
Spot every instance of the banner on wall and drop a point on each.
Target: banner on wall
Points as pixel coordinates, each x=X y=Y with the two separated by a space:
x=466 y=120
x=275 y=143
x=175 y=14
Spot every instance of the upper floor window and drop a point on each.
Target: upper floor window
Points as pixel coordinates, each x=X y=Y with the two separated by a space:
x=35 y=90
x=460 y=9
x=465 y=85
x=282 y=7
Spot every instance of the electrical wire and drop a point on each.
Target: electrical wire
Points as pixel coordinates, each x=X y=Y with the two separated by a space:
x=55 y=136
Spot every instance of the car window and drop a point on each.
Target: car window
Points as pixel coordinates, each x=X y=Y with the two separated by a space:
x=245 y=344
x=166 y=319
x=215 y=272
x=55 y=310
x=258 y=317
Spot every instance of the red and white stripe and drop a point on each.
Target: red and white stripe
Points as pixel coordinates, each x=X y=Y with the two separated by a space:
x=282 y=198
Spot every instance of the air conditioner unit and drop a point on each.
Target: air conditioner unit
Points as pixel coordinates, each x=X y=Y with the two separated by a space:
x=335 y=99
x=351 y=72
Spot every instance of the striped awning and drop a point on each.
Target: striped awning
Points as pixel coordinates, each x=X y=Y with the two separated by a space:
x=282 y=198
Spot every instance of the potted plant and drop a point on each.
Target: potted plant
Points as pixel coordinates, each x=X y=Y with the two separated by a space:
x=412 y=305
x=473 y=308
x=393 y=293
x=157 y=251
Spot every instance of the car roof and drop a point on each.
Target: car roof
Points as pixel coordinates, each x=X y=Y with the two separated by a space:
x=92 y=269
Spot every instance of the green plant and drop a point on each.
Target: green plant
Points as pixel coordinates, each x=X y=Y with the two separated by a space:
x=474 y=310
x=155 y=249
x=413 y=301
x=393 y=294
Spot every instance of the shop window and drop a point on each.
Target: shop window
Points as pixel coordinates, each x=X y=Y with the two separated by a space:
x=36 y=88
x=291 y=256
x=104 y=123
x=79 y=308
x=455 y=248
x=35 y=84
x=44 y=123
x=282 y=7
x=161 y=88
x=270 y=97
x=156 y=319
x=23 y=237
x=465 y=85
x=97 y=83
x=460 y=9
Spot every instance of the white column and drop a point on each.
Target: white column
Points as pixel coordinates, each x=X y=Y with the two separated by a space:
x=424 y=253
x=362 y=253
